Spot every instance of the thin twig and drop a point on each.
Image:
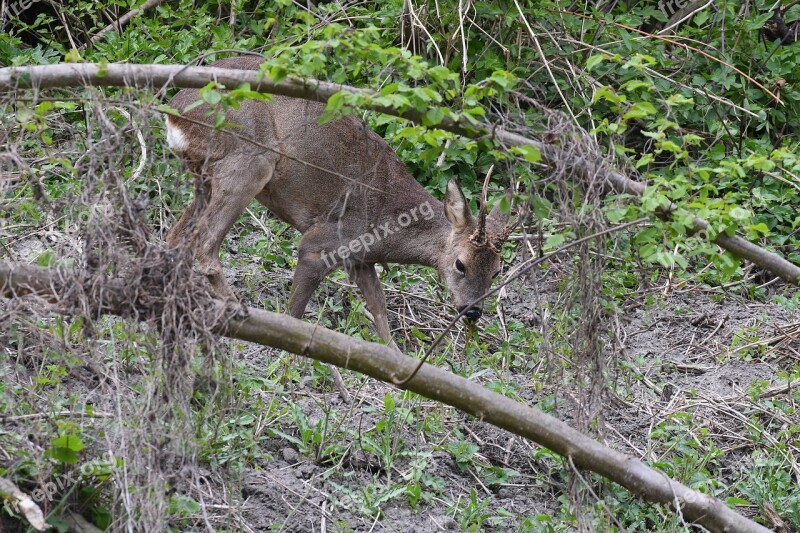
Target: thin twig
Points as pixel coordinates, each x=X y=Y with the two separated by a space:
x=122 y=21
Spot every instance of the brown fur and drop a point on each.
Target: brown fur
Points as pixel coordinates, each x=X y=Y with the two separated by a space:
x=334 y=183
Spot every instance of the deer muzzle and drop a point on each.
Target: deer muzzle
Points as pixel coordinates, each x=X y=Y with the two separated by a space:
x=473 y=314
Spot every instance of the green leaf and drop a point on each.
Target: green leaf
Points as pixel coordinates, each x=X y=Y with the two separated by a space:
x=678 y=99
x=617 y=215
x=701 y=18
x=654 y=200
x=209 y=94
x=440 y=74
x=433 y=116
x=758 y=22
x=335 y=102
x=792 y=15
x=385 y=90
x=196 y=103
x=62 y=455
x=740 y=213
x=496 y=475
x=503 y=79
x=243 y=92
x=103 y=70
x=669 y=146
x=554 y=241
x=47 y=259
x=608 y=94
x=73 y=56
x=71 y=442
x=646 y=159
x=595 y=60
x=657 y=135
x=183 y=506
x=632 y=85
x=640 y=110
x=542 y=207
x=691 y=139
x=639 y=61
x=277 y=73
x=388 y=402
x=530 y=153
x=65 y=449
x=463 y=452
x=419 y=335
x=726 y=263
x=505 y=204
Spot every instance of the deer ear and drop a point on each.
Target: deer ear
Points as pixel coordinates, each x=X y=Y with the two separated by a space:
x=456 y=207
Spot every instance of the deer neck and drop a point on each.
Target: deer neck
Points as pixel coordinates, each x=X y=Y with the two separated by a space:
x=422 y=241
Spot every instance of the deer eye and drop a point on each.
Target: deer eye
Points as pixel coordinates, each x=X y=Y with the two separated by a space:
x=460 y=266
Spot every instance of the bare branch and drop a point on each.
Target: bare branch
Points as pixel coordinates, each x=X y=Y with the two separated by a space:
x=23 y=503
x=123 y=20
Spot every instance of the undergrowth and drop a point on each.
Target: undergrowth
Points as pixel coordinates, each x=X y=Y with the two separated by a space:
x=656 y=342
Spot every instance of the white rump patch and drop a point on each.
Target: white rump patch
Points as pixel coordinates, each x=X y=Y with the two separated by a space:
x=175 y=138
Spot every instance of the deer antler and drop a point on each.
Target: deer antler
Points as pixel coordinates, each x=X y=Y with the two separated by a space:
x=498 y=239
x=479 y=237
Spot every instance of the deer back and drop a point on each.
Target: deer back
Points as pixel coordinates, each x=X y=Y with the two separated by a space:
x=318 y=168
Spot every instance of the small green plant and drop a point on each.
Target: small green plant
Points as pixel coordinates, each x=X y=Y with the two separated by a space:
x=313 y=439
x=421 y=486
x=463 y=452
x=476 y=512
x=65 y=448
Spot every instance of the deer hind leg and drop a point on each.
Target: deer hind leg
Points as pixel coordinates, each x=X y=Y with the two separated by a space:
x=183 y=228
x=365 y=276
x=235 y=181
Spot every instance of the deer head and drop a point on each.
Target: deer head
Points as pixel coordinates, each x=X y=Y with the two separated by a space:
x=472 y=258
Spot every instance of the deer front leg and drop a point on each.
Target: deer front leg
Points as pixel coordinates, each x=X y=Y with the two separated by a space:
x=308 y=274
x=179 y=231
x=365 y=276
x=311 y=270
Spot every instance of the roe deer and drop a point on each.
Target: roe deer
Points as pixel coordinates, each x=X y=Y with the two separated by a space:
x=339 y=184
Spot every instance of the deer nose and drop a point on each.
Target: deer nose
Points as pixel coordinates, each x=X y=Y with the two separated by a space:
x=473 y=314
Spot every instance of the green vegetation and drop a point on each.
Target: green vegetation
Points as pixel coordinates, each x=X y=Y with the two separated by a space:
x=654 y=340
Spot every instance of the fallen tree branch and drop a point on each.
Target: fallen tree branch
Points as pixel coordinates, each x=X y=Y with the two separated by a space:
x=389 y=365
x=145 y=76
x=22 y=503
